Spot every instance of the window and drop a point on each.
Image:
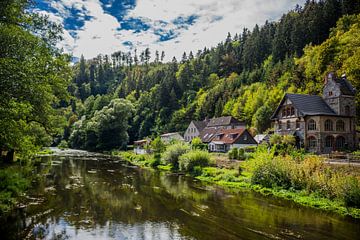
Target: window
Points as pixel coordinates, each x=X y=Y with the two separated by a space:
x=297 y=124
x=312 y=142
x=288 y=112
x=340 y=142
x=347 y=110
x=311 y=125
x=329 y=141
x=284 y=112
x=328 y=125
x=340 y=126
x=330 y=93
x=280 y=126
x=288 y=125
x=245 y=137
x=292 y=111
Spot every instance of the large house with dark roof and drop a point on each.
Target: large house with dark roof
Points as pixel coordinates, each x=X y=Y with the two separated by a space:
x=200 y=128
x=320 y=124
x=225 y=139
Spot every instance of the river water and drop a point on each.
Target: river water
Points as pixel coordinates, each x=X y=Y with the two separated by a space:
x=91 y=196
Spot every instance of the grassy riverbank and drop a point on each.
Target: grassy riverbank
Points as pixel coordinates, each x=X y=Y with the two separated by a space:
x=296 y=176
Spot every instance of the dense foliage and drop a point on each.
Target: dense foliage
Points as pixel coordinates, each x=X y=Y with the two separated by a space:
x=245 y=76
x=34 y=77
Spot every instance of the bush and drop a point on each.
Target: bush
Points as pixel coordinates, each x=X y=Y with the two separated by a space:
x=155 y=161
x=63 y=144
x=233 y=153
x=351 y=192
x=241 y=154
x=275 y=139
x=173 y=152
x=189 y=160
x=275 y=172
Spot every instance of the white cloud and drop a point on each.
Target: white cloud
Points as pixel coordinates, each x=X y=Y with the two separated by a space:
x=100 y=34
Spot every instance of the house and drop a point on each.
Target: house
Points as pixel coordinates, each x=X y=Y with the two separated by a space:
x=261 y=138
x=208 y=134
x=168 y=137
x=321 y=124
x=194 y=129
x=142 y=146
x=227 y=122
x=226 y=139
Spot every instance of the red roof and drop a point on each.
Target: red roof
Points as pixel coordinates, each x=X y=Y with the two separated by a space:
x=228 y=136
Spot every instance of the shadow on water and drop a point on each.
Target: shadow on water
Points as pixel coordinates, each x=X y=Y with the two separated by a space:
x=92 y=196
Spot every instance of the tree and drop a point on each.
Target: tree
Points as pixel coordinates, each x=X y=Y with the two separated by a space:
x=157 y=145
x=34 y=76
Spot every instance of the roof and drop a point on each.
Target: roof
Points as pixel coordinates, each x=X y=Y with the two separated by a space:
x=207 y=134
x=200 y=125
x=223 y=121
x=169 y=134
x=345 y=87
x=143 y=141
x=307 y=105
x=261 y=137
x=229 y=136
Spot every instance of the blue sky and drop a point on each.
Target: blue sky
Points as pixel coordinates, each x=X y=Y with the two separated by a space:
x=92 y=27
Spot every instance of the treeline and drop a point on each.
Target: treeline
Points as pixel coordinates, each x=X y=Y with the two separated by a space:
x=245 y=76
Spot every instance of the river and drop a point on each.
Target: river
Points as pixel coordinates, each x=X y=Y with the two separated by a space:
x=92 y=196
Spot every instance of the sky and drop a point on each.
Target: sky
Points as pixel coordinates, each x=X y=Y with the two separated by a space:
x=93 y=27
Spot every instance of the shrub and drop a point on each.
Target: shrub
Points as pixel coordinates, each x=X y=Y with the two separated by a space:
x=275 y=139
x=288 y=140
x=189 y=160
x=173 y=152
x=241 y=154
x=275 y=172
x=155 y=161
x=63 y=144
x=157 y=145
x=233 y=153
x=351 y=192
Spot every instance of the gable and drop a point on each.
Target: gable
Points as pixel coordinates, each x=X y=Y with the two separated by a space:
x=245 y=138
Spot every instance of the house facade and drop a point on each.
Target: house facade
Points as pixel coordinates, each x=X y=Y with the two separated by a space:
x=320 y=124
x=226 y=139
x=142 y=146
x=194 y=129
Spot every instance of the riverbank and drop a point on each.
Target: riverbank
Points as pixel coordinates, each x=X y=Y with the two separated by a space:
x=305 y=182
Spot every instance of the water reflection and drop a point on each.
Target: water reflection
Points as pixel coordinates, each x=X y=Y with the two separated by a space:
x=104 y=198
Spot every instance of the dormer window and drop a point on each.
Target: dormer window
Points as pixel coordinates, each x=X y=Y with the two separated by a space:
x=330 y=93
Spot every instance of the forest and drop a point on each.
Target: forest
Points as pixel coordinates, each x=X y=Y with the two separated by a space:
x=245 y=76
x=107 y=102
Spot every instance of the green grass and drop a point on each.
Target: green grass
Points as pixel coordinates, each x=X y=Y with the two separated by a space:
x=238 y=179
x=45 y=151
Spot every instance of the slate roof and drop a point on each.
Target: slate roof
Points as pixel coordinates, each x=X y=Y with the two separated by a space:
x=307 y=105
x=200 y=125
x=224 y=121
x=208 y=134
x=345 y=87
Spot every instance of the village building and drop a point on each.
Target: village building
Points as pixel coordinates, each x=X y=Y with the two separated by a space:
x=262 y=138
x=226 y=139
x=168 y=137
x=320 y=124
x=196 y=128
x=142 y=146
x=227 y=122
